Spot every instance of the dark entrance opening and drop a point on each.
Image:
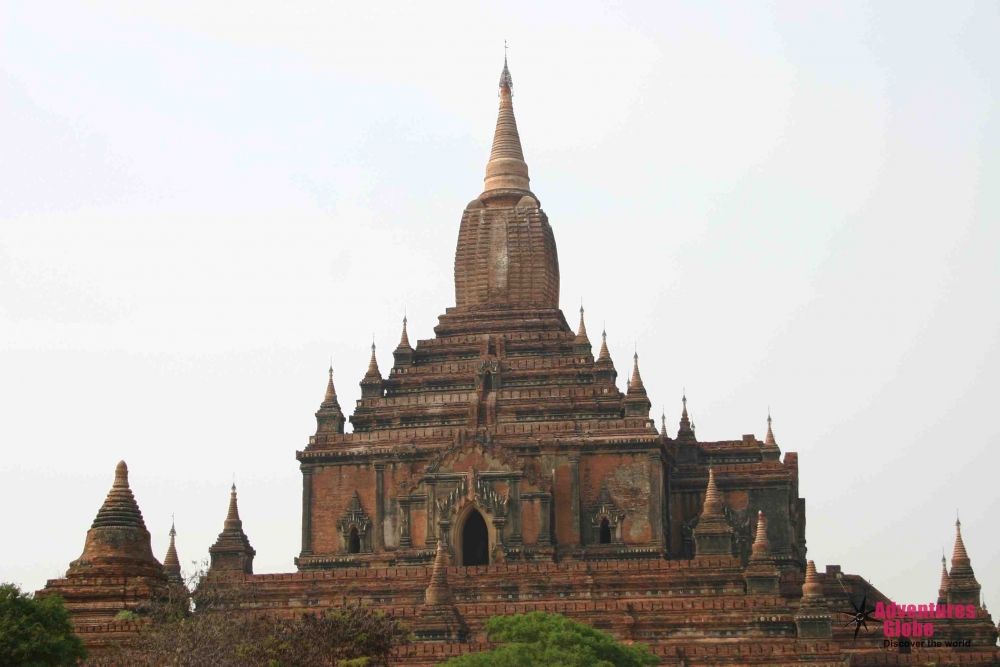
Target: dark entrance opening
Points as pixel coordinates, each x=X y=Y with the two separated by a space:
x=488 y=383
x=354 y=542
x=475 y=541
x=605 y=532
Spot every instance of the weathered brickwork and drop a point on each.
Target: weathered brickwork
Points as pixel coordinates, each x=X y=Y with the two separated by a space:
x=498 y=468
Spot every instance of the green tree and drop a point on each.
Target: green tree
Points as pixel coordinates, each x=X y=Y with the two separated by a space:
x=36 y=632
x=539 y=639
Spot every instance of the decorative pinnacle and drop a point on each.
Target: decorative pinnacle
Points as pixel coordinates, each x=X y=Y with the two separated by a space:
x=506 y=170
x=635 y=384
x=119 y=508
x=959 y=556
x=505 y=79
x=604 y=355
x=686 y=427
x=121 y=476
x=233 y=515
x=439 y=593
x=330 y=398
x=404 y=339
x=581 y=332
x=812 y=588
x=769 y=438
x=373 y=371
x=712 y=507
x=761 y=545
x=943 y=589
x=171 y=564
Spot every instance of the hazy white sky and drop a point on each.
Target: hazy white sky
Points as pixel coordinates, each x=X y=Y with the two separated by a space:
x=785 y=204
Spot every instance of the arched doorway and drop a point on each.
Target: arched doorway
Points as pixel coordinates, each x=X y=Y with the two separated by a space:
x=475 y=540
x=605 y=532
x=354 y=542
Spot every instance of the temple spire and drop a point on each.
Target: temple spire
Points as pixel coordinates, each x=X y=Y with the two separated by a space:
x=371 y=383
x=712 y=507
x=813 y=619
x=604 y=354
x=770 y=451
x=330 y=398
x=439 y=593
x=329 y=417
x=604 y=368
x=232 y=551
x=438 y=619
x=403 y=354
x=373 y=365
x=962 y=585
x=762 y=573
x=172 y=564
x=404 y=340
x=943 y=588
x=635 y=385
x=233 y=515
x=506 y=172
x=636 y=401
x=713 y=535
x=812 y=589
x=686 y=429
x=761 y=545
x=959 y=556
x=581 y=344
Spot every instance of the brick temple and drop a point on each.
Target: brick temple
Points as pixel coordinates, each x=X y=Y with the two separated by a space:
x=498 y=468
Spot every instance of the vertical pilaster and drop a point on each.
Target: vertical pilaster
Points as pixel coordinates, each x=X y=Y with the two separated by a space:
x=656 y=496
x=445 y=526
x=515 y=513
x=379 y=507
x=668 y=518
x=431 y=539
x=307 y=487
x=404 y=523
x=574 y=473
x=545 y=531
x=498 y=525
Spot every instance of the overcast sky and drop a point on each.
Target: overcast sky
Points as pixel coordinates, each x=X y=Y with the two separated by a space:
x=789 y=204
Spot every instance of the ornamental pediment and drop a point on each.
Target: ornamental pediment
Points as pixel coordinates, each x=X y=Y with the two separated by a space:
x=482 y=453
x=472 y=457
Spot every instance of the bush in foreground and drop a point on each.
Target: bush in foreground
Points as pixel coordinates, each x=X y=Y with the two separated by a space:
x=539 y=639
x=218 y=626
x=36 y=631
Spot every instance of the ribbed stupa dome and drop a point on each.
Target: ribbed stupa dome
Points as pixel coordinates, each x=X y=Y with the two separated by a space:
x=118 y=543
x=506 y=257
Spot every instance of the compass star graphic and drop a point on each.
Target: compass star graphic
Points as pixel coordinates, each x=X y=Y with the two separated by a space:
x=860 y=615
